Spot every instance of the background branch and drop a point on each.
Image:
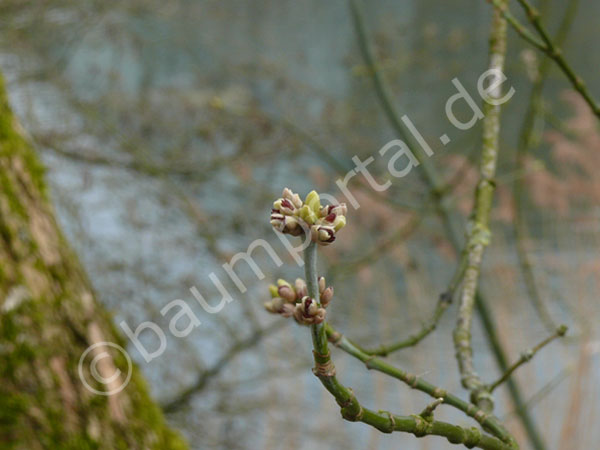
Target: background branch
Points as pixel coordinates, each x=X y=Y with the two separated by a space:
x=527 y=356
x=549 y=47
x=386 y=422
x=489 y=422
x=527 y=142
x=448 y=219
x=184 y=397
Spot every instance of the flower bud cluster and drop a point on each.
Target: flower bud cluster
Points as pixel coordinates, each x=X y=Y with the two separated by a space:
x=288 y=301
x=293 y=216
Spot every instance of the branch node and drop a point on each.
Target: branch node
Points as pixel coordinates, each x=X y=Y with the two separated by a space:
x=412 y=380
x=421 y=426
x=427 y=413
x=323 y=365
x=472 y=437
x=439 y=393
x=349 y=401
x=392 y=426
x=368 y=362
x=335 y=338
x=446 y=298
x=527 y=355
x=480 y=416
x=321 y=356
x=351 y=410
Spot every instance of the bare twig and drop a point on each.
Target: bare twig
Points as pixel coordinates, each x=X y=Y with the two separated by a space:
x=183 y=397
x=145 y=167
x=426 y=329
x=427 y=412
x=489 y=422
x=527 y=356
x=387 y=422
x=478 y=235
x=545 y=390
x=527 y=142
x=547 y=45
x=451 y=224
x=518 y=26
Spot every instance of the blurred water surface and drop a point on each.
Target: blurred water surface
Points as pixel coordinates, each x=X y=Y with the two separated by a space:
x=161 y=126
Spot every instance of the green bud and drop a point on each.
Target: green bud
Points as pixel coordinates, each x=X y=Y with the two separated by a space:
x=339 y=223
x=282 y=282
x=273 y=291
x=314 y=202
x=307 y=214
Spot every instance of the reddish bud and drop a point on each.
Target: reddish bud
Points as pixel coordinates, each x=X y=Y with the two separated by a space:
x=287 y=293
x=326 y=296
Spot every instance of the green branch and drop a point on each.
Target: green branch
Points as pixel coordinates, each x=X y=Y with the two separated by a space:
x=427 y=328
x=432 y=178
x=547 y=45
x=521 y=30
x=527 y=356
x=489 y=422
x=478 y=233
x=318 y=329
x=386 y=422
x=544 y=391
x=527 y=142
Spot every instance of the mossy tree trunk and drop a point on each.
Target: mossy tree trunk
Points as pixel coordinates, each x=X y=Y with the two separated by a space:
x=48 y=318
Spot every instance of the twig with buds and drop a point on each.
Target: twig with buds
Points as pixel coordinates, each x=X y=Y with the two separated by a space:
x=294 y=301
x=308 y=310
x=293 y=216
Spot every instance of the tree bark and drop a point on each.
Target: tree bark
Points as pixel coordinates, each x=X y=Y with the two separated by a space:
x=48 y=318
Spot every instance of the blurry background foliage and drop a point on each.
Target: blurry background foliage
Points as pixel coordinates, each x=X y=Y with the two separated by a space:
x=169 y=126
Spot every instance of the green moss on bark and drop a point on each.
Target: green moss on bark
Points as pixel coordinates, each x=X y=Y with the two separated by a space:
x=47 y=314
